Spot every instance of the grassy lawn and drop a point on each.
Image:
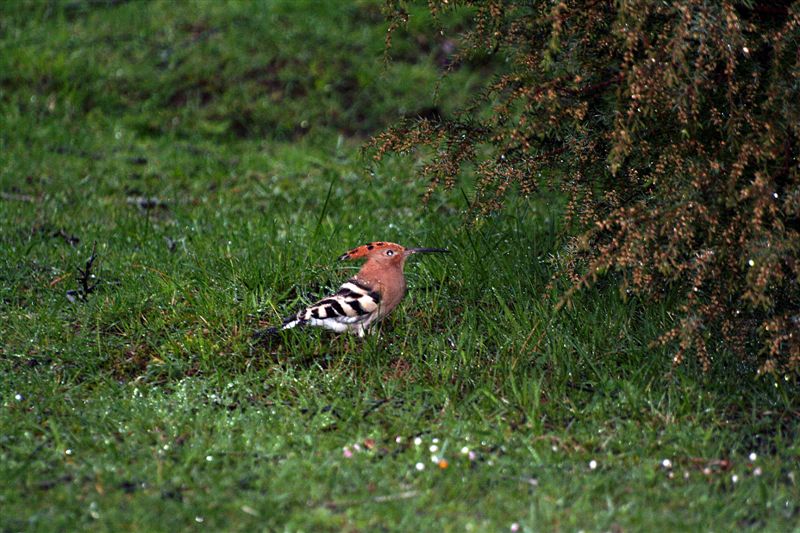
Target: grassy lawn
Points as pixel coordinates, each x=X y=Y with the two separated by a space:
x=210 y=154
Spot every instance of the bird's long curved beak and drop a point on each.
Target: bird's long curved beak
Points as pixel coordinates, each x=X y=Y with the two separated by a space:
x=410 y=251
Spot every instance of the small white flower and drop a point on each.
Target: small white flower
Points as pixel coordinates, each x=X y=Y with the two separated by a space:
x=592 y=464
x=420 y=466
x=68 y=451
x=434 y=458
x=209 y=458
x=514 y=527
x=433 y=448
x=757 y=471
x=666 y=463
x=18 y=397
x=745 y=50
x=753 y=456
x=435 y=441
x=198 y=519
x=751 y=263
x=734 y=478
x=417 y=441
x=464 y=450
x=398 y=439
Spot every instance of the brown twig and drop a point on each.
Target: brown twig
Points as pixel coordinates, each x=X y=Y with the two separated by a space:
x=16 y=197
x=376 y=499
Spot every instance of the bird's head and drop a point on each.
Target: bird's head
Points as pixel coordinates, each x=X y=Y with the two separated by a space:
x=385 y=253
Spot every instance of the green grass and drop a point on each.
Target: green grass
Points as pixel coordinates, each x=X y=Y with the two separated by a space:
x=146 y=406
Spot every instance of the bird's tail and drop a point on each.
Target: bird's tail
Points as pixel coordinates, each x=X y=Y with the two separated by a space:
x=288 y=323
x=263 y=334
x=292 y=321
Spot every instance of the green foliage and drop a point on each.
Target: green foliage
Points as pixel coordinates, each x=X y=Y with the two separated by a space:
x=143 y=405
x=672 y=127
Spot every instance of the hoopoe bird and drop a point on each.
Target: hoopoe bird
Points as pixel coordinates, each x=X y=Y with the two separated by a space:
x=365 y=298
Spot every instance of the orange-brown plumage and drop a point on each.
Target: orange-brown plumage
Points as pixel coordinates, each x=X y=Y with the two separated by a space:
x=368 y=296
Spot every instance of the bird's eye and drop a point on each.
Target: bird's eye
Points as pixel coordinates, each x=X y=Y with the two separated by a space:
x=389 y=252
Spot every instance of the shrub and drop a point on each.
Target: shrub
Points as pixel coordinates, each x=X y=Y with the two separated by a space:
x=673 y=128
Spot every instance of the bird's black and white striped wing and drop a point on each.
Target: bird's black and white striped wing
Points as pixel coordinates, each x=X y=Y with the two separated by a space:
x=354 y=303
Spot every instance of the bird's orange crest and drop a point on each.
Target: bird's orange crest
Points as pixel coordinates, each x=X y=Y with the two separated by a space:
x=370 y=248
